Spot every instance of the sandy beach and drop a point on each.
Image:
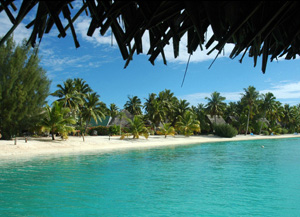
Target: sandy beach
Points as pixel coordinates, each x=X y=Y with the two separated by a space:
x=100 y=144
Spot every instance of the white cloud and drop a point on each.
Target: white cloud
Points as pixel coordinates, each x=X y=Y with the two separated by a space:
x=285 y=90
x=81 y=26
x=20 y=32
x=77 y=4
x=56 y=63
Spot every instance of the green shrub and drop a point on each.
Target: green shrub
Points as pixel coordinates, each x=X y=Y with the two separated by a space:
x=114 y=130
x=225 y=130
x=257 y=125
x=151 y=131
x=125 y=130
x=276 y=130
x=101 y=130
x=284 y=131
x=265 y=132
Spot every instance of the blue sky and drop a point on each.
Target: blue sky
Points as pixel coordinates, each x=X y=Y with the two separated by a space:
x=102 y=66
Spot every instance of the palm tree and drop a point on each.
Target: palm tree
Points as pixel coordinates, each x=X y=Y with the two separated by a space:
x=277 y=114
x=92 y=109
x=231 y=110
x=81 y=86
x=82 y=89
x=137 y=127
x=250 y=99
x=68 y=95
x=296 y=119
x=188 y=124
x=156 y=113
x=121 y=115
x=268 y=104
x=166 y=96
x=166 y=129
x=215 y=105
x=148 y=103
x=168 y=101
x=113 y=110
x=290 y=117
x=181 y=107
x=133 y=105
x=200 y=113
x=56 y=120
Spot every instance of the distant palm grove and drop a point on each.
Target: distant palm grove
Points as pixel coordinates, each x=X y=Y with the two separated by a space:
x=79 y=110
x=164 y=114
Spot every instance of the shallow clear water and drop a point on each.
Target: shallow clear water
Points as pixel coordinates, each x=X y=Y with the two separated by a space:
x=217 y=179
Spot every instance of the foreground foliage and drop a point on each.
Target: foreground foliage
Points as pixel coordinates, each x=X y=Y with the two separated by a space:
x=91 y=110
x=166 y=130
x=137 y=127
x=57 y=120
x=215 y=105
x=24 y=87
x=225 y=130
x=249 y=99
x=187 y=124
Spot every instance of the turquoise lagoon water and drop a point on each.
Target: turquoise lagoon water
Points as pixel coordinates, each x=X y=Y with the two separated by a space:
x=217 y=179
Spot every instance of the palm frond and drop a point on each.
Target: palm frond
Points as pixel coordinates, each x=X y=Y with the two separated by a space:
x=267 y=29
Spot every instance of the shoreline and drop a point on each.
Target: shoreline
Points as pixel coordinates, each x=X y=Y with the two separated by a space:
x=44 y=146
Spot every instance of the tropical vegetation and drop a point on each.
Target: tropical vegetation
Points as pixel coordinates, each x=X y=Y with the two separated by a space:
x=57 y=120
x=137 y=127
x=24 y=88
x=164 y=114
x=225 y=130
x=188 y=124
x=215 y=105
x=166 y=130
x=91 y=109
x=249 y=99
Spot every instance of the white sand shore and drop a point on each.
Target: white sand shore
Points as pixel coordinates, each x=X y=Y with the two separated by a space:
x=99 y=144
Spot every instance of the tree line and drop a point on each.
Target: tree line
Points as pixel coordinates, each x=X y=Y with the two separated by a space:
x=24 y=88
x=163 y=113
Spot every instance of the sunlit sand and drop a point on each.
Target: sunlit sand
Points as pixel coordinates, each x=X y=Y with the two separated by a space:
x=101 y=144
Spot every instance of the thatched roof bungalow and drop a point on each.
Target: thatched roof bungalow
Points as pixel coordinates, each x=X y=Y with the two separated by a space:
x=232 y=119
x=215 y=119
x=104 y=122
x=123 y=122
x=264 y=120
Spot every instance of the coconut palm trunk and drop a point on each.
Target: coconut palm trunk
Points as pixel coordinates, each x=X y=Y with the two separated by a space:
x=248 y=121
x=262 y=122
x=83 y=136
x=85 y=128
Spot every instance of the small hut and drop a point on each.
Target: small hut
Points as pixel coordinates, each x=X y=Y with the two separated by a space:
x=104 y=122
x=215 y=119
x=232 y=119
x=121 y=120
x=264 y=120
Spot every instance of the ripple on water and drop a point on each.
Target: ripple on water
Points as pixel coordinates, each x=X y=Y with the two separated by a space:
x=217 y=179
